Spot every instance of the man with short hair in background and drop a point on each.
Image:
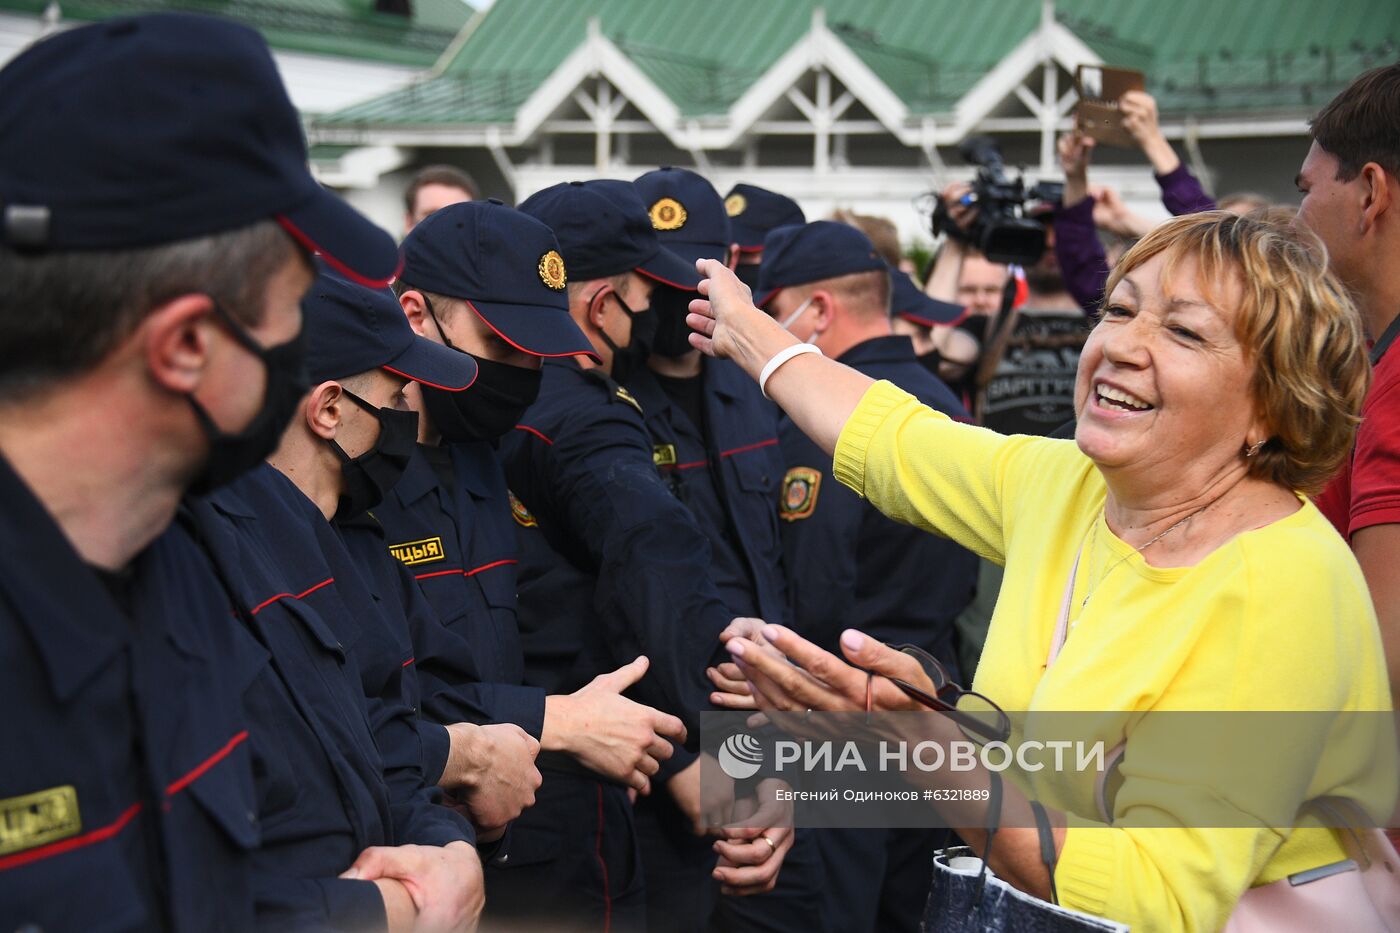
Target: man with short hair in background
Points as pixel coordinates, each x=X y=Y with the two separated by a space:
x=434 y=188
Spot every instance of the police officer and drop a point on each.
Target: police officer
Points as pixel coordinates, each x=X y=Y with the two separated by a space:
x=914 y=314
x=490 y=281
x=604 y=532
x=753 y=211
x=333 y=731
x=363 y=333
x=714 y=439
x=148 y=324
x=848 y=565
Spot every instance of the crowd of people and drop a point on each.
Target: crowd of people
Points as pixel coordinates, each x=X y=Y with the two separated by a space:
x=354 y=585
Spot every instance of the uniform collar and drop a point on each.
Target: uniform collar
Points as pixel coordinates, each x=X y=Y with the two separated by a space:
x=417 y=481
x=895 y=348
x=472 y=463
x=56 y=597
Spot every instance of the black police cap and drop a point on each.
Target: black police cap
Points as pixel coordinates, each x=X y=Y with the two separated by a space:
x=351 y=329
x=754 y=211
x=823 y=249
x=907 y=300
x=506 y=266
x=603 y=229
x=146 y=130
x=686 y=212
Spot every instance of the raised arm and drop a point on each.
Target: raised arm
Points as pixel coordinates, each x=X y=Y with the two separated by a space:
x=913 y=463
x=818 y=394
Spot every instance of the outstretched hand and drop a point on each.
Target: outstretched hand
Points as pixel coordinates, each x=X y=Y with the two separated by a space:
x=725 y=321
x=794 y=675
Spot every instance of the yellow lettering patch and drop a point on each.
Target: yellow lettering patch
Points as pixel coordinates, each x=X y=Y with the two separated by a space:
x=34 y=819
x=664 y=454
x=418 y=552
x=799 y=495
x=522 y=515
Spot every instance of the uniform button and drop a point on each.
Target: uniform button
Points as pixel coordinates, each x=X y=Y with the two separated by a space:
x=503 y=859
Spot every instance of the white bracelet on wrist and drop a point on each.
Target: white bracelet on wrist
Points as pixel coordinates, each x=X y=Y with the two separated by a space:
x=781 y=357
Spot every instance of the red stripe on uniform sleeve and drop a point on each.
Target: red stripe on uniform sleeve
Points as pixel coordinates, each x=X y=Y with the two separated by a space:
x=177 y=786
x=747 y=447
x=76 y=842
x=529 y=430
x=272 y=599
x=495 y=563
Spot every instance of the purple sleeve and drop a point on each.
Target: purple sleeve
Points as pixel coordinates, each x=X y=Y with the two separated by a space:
x=1080 y=253
x=1182 y=193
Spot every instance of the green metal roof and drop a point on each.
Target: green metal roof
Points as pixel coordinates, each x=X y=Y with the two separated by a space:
x=344 y=28
x=1201 y=56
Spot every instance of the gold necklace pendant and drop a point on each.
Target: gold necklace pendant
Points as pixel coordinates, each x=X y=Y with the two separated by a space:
x=1137 y=550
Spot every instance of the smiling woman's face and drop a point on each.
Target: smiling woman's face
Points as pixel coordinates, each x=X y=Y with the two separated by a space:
x=1164 y=383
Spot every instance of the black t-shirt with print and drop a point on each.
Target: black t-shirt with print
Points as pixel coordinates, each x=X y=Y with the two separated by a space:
x=1032 y=391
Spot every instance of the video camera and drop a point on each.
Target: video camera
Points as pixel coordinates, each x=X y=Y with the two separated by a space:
x=1001 y=231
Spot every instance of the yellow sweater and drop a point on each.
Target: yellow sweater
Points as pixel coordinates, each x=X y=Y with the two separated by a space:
x=1278 y=618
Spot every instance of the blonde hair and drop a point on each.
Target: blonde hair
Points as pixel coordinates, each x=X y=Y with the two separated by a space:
x=1297 y=326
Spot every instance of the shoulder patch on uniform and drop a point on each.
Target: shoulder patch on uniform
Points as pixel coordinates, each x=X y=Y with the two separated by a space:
x=522 y=515
x=663 y=454
x=424 y=551
x=37 y=818
x=629 y=398
x=799 y=495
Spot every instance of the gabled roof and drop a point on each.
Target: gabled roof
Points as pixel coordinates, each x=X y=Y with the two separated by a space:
x=343 y=28
x=930 y=58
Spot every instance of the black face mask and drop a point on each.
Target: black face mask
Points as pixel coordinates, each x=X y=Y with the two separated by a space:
x=629 y=359
x=370 y=476
x=670 y=306
x=931 y=361
x=232 y=455
x=490 y=408
x=748 y=274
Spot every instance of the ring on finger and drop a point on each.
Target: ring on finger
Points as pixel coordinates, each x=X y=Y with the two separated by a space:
x=771 y=844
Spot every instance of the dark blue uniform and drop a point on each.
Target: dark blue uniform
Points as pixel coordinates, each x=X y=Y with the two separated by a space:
x=337 y=770
x=849 y=566
x=448 y=522
x=612 y=566
x=726 y=471
x=126 y=792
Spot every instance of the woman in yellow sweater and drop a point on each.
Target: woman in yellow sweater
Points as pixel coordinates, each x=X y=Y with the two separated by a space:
x=1221 y=385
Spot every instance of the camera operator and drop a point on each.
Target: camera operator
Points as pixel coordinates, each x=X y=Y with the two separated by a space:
x=963 y=275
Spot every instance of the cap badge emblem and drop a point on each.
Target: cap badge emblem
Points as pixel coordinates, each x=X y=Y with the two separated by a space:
x=552 y=270
x=668 y=214
x=735 y=204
